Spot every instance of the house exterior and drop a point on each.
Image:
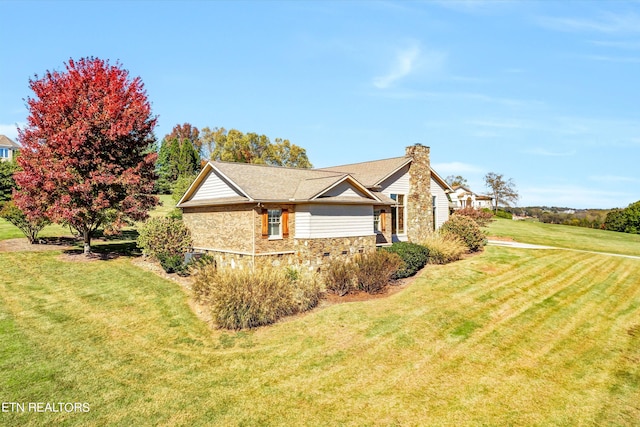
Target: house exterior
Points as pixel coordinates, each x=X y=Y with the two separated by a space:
x=8 y=148
x=462 y=197
x=243 y=213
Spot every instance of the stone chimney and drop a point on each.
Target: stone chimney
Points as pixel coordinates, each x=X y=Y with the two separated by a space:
x=419 y=201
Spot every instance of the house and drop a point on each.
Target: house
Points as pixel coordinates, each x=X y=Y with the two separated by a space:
x=462 y=198
x=8 y=148
x=240 y=212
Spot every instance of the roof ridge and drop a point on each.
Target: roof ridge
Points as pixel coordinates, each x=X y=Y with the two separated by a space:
x=368 y=161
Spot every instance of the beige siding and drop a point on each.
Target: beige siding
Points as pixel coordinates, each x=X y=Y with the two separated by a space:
x=328 y=221
x=398 y=183
x=442 y=204
x=344 y=189
x=213 y=187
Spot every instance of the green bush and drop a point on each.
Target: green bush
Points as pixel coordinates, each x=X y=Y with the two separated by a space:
x=172 y=263
x=467 y=230
x=504 y=214
x=29 y=226
x=444 y=248
x=413 y=255
x=339 y=277
x=241 y=299
x=374 y=270
x=164 y=237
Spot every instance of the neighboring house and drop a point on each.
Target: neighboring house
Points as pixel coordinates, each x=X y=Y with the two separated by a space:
x=241 y=212
x=462 y=198
x=8 y=148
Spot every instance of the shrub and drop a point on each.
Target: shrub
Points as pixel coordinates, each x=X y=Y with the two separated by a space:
x=339 y=276
x=467 y=230
x=246 y=299
x=482 y=217
x=164 y=237
x=374 y=270
x=444 y=248
x=172 y=263
x=29 y=226
x=413 y=255
x=504 y=214
x=181 y=186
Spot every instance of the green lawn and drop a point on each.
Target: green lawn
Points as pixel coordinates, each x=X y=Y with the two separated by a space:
x=9 y=231
x=508 y=337
x=565 y=236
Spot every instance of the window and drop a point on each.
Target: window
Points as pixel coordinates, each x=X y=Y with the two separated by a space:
x=274 y=221
x=4 y=153
x=433 y=206
x=397 y=214
x=379 y=221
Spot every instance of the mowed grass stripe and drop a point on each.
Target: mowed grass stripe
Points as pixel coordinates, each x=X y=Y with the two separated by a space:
x=441 y=352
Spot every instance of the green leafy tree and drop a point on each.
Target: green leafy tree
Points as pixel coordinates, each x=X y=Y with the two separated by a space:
x=625 y=220
x=175 y=159
x=186 y=131
x=7 y=183
x=285 y=153
x=235 y=146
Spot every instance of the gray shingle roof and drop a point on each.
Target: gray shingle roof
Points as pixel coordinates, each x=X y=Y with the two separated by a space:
x=277 y=184
x=7 y=142
x=371 y=173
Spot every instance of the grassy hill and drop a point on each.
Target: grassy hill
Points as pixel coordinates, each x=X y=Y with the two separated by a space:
x=508 y=337
x=565 y=236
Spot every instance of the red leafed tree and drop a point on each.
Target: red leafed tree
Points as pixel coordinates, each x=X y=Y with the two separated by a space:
x=85 y=154
x=185 y=131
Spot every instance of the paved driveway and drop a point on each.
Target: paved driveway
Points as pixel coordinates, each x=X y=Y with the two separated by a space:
x=512 y=244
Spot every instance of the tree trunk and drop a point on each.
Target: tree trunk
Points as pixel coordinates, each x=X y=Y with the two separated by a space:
x=87 y=242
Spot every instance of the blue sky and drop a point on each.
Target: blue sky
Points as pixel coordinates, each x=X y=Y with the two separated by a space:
x=545 y=93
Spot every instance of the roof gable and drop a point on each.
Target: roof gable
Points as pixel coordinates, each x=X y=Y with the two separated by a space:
x=224 y=183
x=7 y=142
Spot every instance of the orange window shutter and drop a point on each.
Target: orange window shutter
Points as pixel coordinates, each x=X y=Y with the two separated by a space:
x=265 y=223
x=285 y=222
x=383 y=221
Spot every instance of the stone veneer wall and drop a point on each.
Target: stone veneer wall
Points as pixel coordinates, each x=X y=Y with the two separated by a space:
x=226 y=233
x=419 y=201
x=228 y=228
x=313 y=253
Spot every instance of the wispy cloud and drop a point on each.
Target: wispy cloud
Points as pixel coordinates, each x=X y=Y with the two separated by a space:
x=619 y=44
x=500 y=124
x=608 y=23
x=467 y=96
x=474 y=6
x=409 y=60
x=617 y=59
x=539 y=151
x=573 y=196
x=613 y=179
x=455 y=168
x=10 y=130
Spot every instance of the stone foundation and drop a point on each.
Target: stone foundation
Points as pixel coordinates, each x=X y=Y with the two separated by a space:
x=308 y=254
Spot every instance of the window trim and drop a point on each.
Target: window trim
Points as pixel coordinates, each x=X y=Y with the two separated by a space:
x=395 y=222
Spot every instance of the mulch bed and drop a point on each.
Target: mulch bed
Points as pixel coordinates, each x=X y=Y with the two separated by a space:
x=23 y=245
